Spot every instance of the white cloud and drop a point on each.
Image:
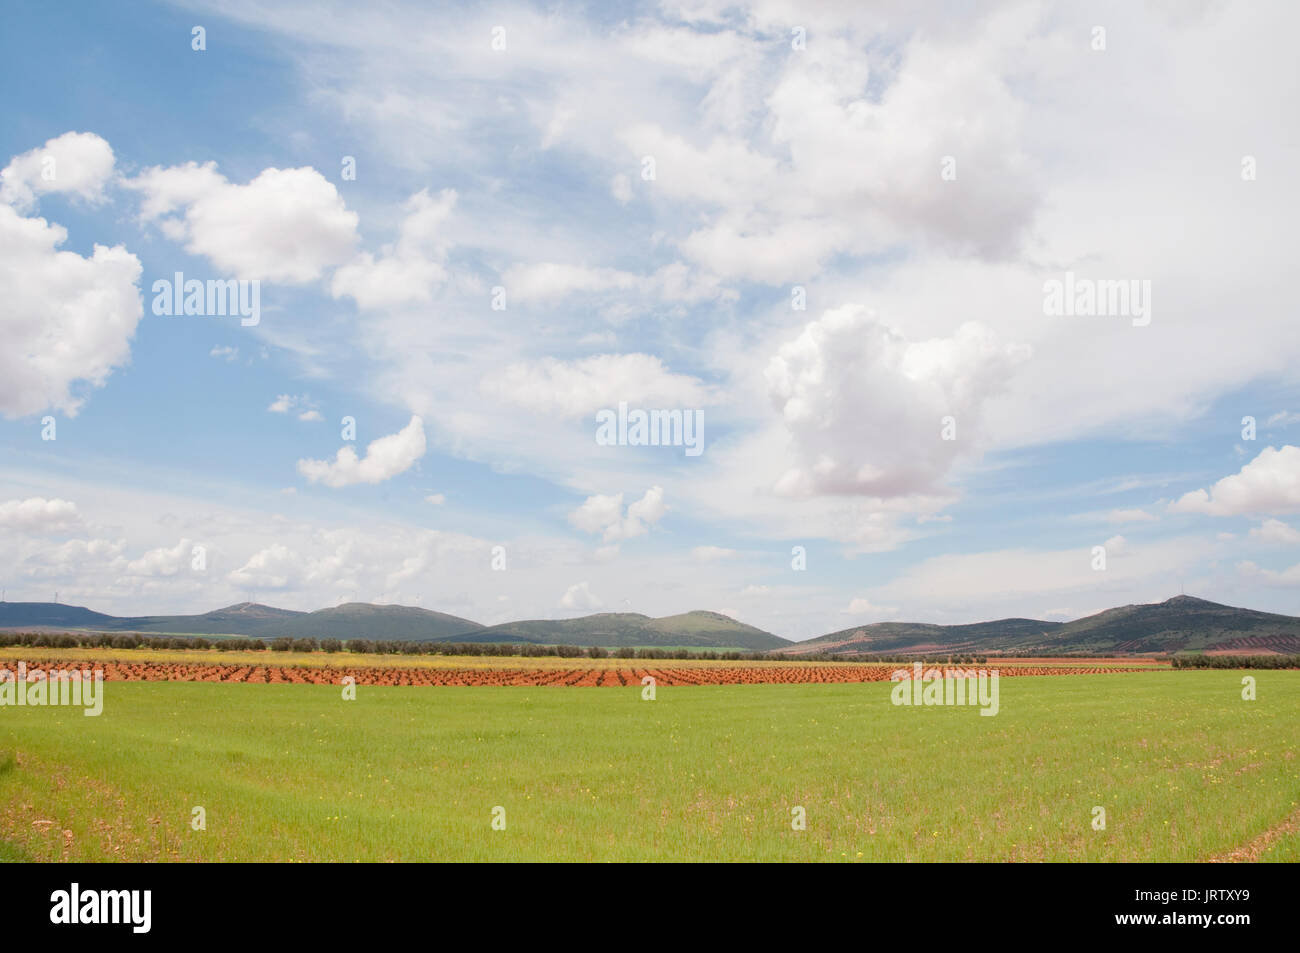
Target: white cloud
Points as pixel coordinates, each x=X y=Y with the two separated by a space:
x=276 y=567
x=1283 y=579
x=579 y=596
x=75 y=163
x=300 y=403
x=605 y=515
x=39 y=515
x=385 y=458
x=1275 y=531
x=864 y=406
x=409 y=269
x=860 y=606
x=224 y=352
x=1268 y=484
x=711 y=553
x=436 y=499
x=577 y=388
x=548 y=281
x=286 y=225
x=65 y=318
x=164 y=561
x=75 y=558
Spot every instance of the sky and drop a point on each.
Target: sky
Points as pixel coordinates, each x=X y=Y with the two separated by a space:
x=977 y=312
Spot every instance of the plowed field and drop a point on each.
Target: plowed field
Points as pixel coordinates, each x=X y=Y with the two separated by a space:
x=585 y=677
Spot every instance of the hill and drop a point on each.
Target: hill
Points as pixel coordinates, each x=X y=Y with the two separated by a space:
x=362 y=620
x=1180 y=624
x=1183 y=623
x=614 y=629
x=907 y=638
x=354 y=620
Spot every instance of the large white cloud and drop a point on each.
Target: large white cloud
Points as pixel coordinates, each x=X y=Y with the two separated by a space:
x=76 y=163
x=64 y=319
x=1268 y=484
x=865 y=407
x=286 y=225
x=385 y=458
x=38 y=515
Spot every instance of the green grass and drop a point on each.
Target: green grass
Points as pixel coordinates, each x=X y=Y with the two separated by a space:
x=1185 y=769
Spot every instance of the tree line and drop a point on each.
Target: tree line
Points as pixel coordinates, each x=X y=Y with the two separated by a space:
x=136 y=640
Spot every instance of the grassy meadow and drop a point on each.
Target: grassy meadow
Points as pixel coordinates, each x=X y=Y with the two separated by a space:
x=1185 y=769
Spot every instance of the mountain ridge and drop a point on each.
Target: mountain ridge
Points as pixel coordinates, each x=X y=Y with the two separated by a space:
x=1179 y=624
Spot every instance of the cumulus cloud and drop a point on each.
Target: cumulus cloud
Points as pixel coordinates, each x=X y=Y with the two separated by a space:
x=38 y=515
x=711 y=553
x=286 y=225
x=577 y=388
x=385 y=458
x=276 y=567
x=75 y=163
x=164 y=561
x=579 y=596
x=1268 y=484
x=409 y=269
x=864 y=406
x=605 y=515
x=860 y=606
x=75 y=558
x=1277 y=532
x=65 y=318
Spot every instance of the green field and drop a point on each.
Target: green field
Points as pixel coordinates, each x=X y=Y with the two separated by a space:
x=1185 y=769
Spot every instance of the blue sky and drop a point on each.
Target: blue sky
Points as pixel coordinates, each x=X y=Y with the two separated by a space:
x=779 y=166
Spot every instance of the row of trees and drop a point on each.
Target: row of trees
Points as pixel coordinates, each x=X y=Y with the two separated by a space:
x=1236 y=661
x=134 y=640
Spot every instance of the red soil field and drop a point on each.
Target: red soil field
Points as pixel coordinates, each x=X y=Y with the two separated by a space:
x=118 y=671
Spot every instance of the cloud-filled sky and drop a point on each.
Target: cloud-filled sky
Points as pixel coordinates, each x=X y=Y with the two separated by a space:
x=826 y=237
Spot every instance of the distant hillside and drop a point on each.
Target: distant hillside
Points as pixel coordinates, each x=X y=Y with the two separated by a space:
x=354 y=620
x=243 y=618
x=48 y=615
x=1183 y=623
x=613 y=629
x=360 y=620
x=905 y=638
